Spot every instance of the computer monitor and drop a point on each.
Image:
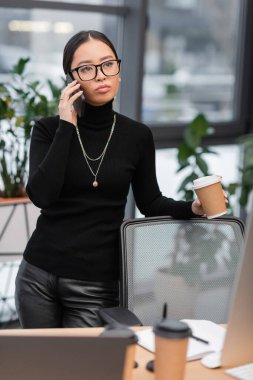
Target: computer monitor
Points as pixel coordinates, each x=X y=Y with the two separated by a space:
x=61 y=355
x=238 y=344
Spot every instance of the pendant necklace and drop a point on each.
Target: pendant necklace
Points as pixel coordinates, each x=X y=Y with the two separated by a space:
x=100 y=157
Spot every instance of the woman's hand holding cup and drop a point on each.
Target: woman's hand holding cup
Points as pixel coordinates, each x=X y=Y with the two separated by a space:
x=211 y=198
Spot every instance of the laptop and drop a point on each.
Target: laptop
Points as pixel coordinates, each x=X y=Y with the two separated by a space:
x=238 y=344
x=30 y=355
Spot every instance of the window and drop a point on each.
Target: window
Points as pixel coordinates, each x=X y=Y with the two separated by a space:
x=93 y=2
x=191 y=61
x=42 y=35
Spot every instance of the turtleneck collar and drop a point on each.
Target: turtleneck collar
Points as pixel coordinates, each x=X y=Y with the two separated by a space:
x=97 y=116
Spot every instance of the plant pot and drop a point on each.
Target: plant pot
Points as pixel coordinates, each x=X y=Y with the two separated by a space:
x=14 y=200
x=179 y=295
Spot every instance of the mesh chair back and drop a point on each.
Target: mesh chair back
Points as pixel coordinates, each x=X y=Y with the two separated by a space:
x=188 y=264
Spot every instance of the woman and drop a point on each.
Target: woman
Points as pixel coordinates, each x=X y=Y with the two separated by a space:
x=80 y=172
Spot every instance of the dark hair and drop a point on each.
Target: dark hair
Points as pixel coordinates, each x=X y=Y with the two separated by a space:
x=77 y=40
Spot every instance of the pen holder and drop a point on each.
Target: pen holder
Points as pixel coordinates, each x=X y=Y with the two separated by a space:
x=171 y=340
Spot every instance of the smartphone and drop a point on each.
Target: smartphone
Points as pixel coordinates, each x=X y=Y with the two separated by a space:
x=79 y=103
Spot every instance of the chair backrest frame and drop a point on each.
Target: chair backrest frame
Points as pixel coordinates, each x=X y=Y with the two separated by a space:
x=142 y=222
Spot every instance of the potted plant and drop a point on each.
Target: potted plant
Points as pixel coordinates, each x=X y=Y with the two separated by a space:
x=246 y=184
x=22 y=101
x=191 y=159
x=190 y=155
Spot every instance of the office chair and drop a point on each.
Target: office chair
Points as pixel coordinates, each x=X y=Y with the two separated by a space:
x=189 y=265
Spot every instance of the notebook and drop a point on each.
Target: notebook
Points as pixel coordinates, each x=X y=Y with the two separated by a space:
x=207 y=330
x=29 y=355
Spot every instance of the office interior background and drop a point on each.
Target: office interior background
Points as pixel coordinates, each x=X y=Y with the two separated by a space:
x=179 y=58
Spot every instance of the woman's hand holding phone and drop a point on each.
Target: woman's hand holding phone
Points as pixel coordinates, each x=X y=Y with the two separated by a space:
x=68 y=96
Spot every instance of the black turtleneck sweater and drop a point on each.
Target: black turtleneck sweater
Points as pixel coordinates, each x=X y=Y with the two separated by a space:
x=77 y=232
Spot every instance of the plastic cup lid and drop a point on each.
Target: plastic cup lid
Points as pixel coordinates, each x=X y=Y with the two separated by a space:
x=205 y=181
x=172 y=329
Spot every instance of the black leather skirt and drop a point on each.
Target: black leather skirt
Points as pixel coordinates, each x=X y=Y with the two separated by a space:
x=44 y=300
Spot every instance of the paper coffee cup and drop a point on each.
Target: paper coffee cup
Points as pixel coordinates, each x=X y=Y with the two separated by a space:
x=209 y=191
x=171 y=341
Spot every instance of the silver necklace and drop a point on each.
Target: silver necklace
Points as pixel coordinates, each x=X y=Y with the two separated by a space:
x=101 y=156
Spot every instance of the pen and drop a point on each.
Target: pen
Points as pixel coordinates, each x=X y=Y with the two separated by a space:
x=199 y=339
x=165 y=310
x=192 y=336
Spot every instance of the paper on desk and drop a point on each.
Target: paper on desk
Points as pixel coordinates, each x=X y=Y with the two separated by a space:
x=207 y=330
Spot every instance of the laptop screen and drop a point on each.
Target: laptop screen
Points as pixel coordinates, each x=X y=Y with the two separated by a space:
x=39 y=357
x=238 y=345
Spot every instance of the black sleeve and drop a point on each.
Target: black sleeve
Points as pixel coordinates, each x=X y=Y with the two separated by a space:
x=48 y=158
x=148 y=196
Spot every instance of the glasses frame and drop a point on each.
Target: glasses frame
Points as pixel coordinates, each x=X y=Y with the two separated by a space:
x=96 y=67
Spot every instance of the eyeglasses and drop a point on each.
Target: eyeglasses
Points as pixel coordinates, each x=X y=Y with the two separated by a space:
x=89 y=72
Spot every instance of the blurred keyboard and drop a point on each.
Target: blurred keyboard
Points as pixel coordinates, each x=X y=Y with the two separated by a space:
x=244 y=372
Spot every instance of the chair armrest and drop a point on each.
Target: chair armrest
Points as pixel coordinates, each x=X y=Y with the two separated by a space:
x=119 y=316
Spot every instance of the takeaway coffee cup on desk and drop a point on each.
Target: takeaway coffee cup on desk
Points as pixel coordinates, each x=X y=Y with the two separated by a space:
x=171 y=340
x=209 y=191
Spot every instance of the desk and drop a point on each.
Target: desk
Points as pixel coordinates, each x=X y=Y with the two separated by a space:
x=194 y=369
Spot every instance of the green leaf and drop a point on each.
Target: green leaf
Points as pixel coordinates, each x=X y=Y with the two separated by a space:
x=2 y=144
x=247 y=177
x=19 y=121
x=34 y=85
x=200 y=126
x=55 y=90
x=10 y=113
x=31 y=101
x=232 y=187
x=189 y=179
x=21 y=102
x=3 y=108
x=20 y=66
x=196 y=131
x=21 y=92
x=184 y=152
x=244 y=196
x=183 y=166
x=4 y=90
x=202 y=164
x=191 y=138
